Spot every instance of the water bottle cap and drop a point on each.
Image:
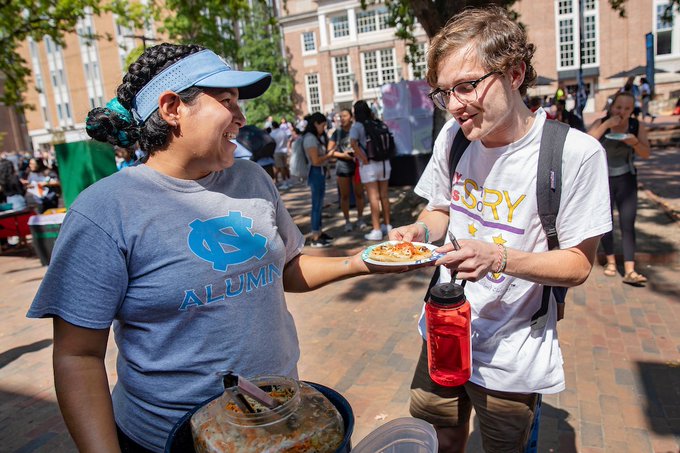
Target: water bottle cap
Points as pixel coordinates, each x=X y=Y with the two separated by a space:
x=448 y=294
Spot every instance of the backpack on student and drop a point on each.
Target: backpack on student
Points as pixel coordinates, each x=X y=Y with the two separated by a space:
x=548 y=194
x=299 y=164
x=379 y=141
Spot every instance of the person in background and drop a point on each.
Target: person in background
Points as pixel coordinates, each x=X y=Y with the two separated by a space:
x=375 y=176
x=634 y=90
x=345 y=168
x=568 y=117
x=646 y=96
x=11 y=189
x=479 y=67
x=194 y=281
x=281 y=137
x=621 y=153
x=127 y=156
x=42 y=186
x=315 y=142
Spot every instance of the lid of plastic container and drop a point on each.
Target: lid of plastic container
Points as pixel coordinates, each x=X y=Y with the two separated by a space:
x=401 y=435
x=449 y=294
x=49 y=219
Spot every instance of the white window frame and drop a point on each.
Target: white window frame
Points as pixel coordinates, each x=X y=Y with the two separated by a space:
x=90 y=58
x=333 y=21
x=561 y=14
x=39 y=81
x=421 y=63
x=303 y=43
x=55 y=63
x=348 y=74
x=308 y=89
x=380 y=68
x=674 y=29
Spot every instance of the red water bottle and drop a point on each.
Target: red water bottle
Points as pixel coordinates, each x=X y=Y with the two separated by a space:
x=447 y=314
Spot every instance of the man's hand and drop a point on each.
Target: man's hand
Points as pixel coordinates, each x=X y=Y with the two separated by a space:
x=473 y=261
x=414 y=232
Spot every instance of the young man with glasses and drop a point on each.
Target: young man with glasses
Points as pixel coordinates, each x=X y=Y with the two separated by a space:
x=480 y=68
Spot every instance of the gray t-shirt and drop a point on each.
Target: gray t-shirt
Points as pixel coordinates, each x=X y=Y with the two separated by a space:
x=189 y=273
x=358 y=133
x=312 y=141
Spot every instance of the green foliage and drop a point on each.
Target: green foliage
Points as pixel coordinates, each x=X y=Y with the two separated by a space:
x=133 y=55
x=248 y=37
x=261 y=51
x=23 y=19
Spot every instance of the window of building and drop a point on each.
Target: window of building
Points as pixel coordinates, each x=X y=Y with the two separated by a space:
x=340 y=26
x=567 y=43
x=570 y=53
x=308 y=42
x=664 y=31
x=343 y=79
x=366 y=22
x=313 y=92
x=382 y=17
x=369 y=21
x=421 y=61
x=378 y=68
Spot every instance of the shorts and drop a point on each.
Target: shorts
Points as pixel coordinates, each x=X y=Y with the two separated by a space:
x=345 y=168
x=375 y=171
x=505 y=418
x=281 y=160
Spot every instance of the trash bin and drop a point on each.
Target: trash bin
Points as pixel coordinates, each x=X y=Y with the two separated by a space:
x=44 y=230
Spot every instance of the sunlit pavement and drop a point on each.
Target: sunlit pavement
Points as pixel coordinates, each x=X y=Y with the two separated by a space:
x=621 y=344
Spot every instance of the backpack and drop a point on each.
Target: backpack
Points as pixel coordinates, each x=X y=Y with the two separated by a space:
x=379 y=141
x=299 y=164
x=548 y=194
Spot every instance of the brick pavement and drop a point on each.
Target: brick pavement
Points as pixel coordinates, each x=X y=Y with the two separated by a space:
x=621 y=348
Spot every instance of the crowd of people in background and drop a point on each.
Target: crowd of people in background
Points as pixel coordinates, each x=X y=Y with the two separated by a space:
x=28 y=180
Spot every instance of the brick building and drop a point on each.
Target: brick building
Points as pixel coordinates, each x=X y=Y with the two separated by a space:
x=340 y=53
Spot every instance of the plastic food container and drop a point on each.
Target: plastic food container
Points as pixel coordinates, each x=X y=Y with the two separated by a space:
x=402 y=435
x=314 y=419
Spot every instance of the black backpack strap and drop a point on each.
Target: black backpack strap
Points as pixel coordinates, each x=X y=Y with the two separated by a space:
x=548 y=194
x=458 y=147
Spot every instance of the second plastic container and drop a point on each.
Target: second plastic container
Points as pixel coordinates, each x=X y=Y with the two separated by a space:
x=402 y=435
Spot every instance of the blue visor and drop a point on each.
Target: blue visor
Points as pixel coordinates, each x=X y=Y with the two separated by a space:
x=202 y=69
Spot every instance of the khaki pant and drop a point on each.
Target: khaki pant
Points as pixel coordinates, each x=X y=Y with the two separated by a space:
x=505 y=418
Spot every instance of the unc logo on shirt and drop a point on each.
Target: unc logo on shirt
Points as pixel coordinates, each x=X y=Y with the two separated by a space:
x=207 y=240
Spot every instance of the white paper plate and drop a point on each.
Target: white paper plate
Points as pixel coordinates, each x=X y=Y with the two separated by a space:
x=435 y=256
x=616 y=136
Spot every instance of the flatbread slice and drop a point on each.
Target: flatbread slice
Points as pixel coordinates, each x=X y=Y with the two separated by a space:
x=402 y=252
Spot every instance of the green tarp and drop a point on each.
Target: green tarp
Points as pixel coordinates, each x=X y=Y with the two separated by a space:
x=82 y=164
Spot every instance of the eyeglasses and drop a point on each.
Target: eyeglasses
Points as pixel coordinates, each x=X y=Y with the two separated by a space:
x=465 y=92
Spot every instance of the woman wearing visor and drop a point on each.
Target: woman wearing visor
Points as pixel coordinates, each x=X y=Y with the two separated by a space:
x=187 y=256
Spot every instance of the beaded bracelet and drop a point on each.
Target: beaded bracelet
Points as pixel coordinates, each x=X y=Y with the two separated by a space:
x=427 y=231
x=502 y=258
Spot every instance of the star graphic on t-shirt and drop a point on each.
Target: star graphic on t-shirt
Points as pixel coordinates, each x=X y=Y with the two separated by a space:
x=472 y=230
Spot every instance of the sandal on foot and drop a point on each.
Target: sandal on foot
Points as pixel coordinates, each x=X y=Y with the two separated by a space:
x=634 y=278
x=609 y=270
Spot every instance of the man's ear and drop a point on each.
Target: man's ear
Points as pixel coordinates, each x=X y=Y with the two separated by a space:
x=169 y=106
x=517 y=74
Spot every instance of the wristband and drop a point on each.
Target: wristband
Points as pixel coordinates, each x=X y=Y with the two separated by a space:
x=427 y=231
x=502 y=258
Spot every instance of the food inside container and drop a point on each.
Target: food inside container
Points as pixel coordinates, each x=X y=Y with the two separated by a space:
x=299 y=419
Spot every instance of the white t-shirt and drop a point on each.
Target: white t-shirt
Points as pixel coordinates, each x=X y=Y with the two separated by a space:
x=281 y=138
x=494 y=199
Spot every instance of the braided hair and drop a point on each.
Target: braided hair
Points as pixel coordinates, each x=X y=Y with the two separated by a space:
x=115 y=125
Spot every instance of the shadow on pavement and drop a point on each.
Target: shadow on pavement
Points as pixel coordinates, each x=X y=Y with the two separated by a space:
x=661 y=384
x=11 y=355
x=32 y=425
x=555 y=433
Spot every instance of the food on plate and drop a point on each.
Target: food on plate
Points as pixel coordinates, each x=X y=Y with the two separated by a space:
x=400 y=252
